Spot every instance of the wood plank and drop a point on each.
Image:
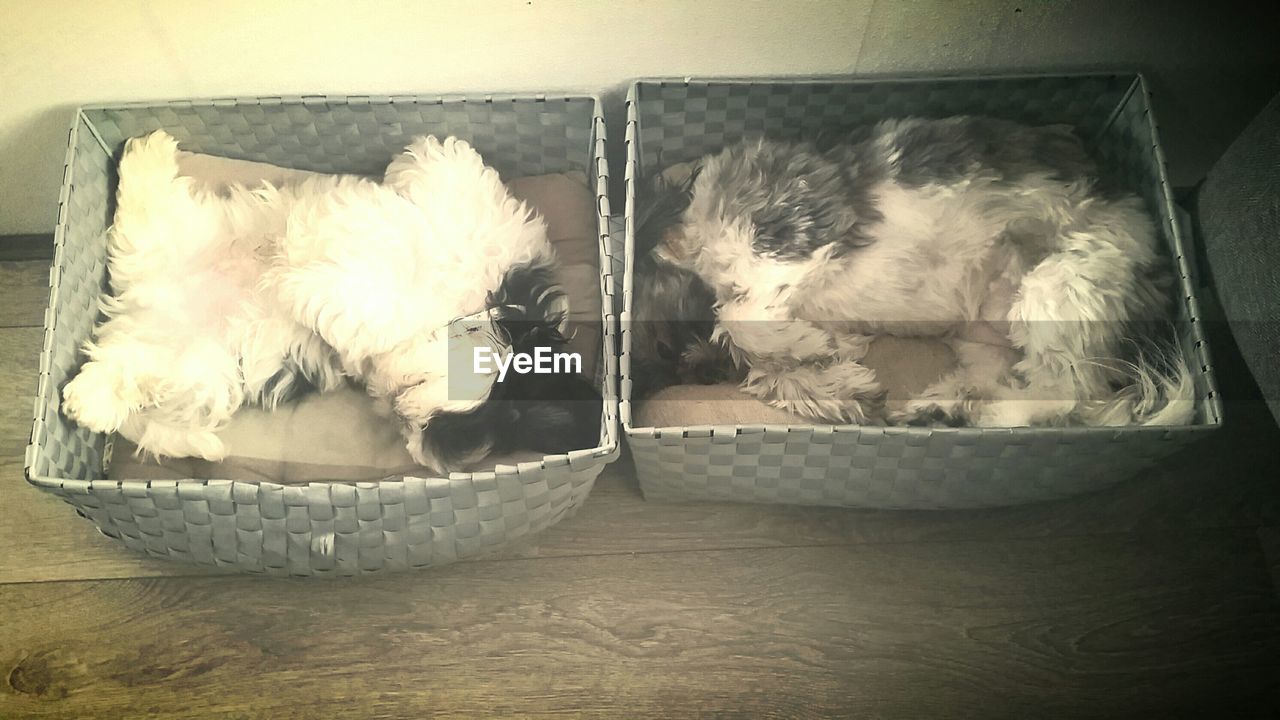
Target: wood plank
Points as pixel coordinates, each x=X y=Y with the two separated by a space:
x=1072 y=627
x=1216 y=484
x=19 y=367
x=45 y=540
x=41 y=537
x=24 y=292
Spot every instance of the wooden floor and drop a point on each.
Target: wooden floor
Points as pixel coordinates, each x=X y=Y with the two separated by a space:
x=1155 y=599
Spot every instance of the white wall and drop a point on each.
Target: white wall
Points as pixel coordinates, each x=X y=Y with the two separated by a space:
x=57 y=54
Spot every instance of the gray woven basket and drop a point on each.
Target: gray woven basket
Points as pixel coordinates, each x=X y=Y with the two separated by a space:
x=333 y=528
x=680 y=120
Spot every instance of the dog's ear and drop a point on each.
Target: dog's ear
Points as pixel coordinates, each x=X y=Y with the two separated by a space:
x=660 y=203
x=555 y=413
x=529 y=308
x=550 y=414
x=675 y=247
x=456 y=439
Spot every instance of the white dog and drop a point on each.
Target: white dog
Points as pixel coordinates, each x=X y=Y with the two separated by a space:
x=248 y=296
x=992 y=235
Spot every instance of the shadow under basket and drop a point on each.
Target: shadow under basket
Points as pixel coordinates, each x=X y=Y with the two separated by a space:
x=323 y=528
x=674 y=121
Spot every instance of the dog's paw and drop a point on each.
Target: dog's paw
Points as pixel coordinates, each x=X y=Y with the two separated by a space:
x=833 y=409
x=160 y=440
x=830 y=410
x=1024 y=412
x=208 y=446
x=149 y=187
x=195 y=444
x=150 y=155
x=927 y=413
x=950 y=402
x=93 y=401
x=840 y=393
x=852 y=348
x=429 y=150
x=446 y=179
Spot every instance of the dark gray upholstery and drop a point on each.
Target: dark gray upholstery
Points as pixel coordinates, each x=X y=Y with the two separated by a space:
x=1238 y=212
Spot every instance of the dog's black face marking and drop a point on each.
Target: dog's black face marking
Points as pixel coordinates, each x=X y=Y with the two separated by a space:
x=660 y=206
x=547 y=413
x=799 y=200
x=935 y=416
x=673 y=309
x=286 y=385
x=550 y=414
x=943 y=151
x=529 y=307
x=674 y=313
x=293 y=381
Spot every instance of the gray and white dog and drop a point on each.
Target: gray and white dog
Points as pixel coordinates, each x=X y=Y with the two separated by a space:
x=776 y=264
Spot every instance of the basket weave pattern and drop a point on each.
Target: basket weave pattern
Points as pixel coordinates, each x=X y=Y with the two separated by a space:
x=672 y=121
x=323 y=528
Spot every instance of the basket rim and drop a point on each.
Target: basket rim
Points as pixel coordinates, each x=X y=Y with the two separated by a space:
x=321 y=98
x=597 y=170
x=1137 y=83
x=875 y=78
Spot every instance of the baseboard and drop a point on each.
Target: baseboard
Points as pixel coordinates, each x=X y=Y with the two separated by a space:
x=26 y=247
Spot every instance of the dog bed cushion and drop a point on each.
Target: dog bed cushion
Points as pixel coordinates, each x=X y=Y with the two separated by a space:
x=338 y=435
x=904 y=367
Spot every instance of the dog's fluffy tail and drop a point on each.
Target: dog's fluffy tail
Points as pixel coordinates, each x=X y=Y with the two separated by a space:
x=1158 y=389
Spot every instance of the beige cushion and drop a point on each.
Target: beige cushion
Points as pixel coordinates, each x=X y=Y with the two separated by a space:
x=904 y=367
x=570 y=211
x=338 y=435
x=334 y=436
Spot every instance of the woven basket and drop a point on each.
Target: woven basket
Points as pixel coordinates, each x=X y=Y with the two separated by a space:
x=333 y=528
x=680 y=120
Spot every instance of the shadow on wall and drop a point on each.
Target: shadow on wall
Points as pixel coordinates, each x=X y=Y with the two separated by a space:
x=1201 y=110
x=25 y=169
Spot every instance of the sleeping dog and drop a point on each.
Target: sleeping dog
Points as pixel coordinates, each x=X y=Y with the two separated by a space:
x=774 y=264
x=248 y=296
